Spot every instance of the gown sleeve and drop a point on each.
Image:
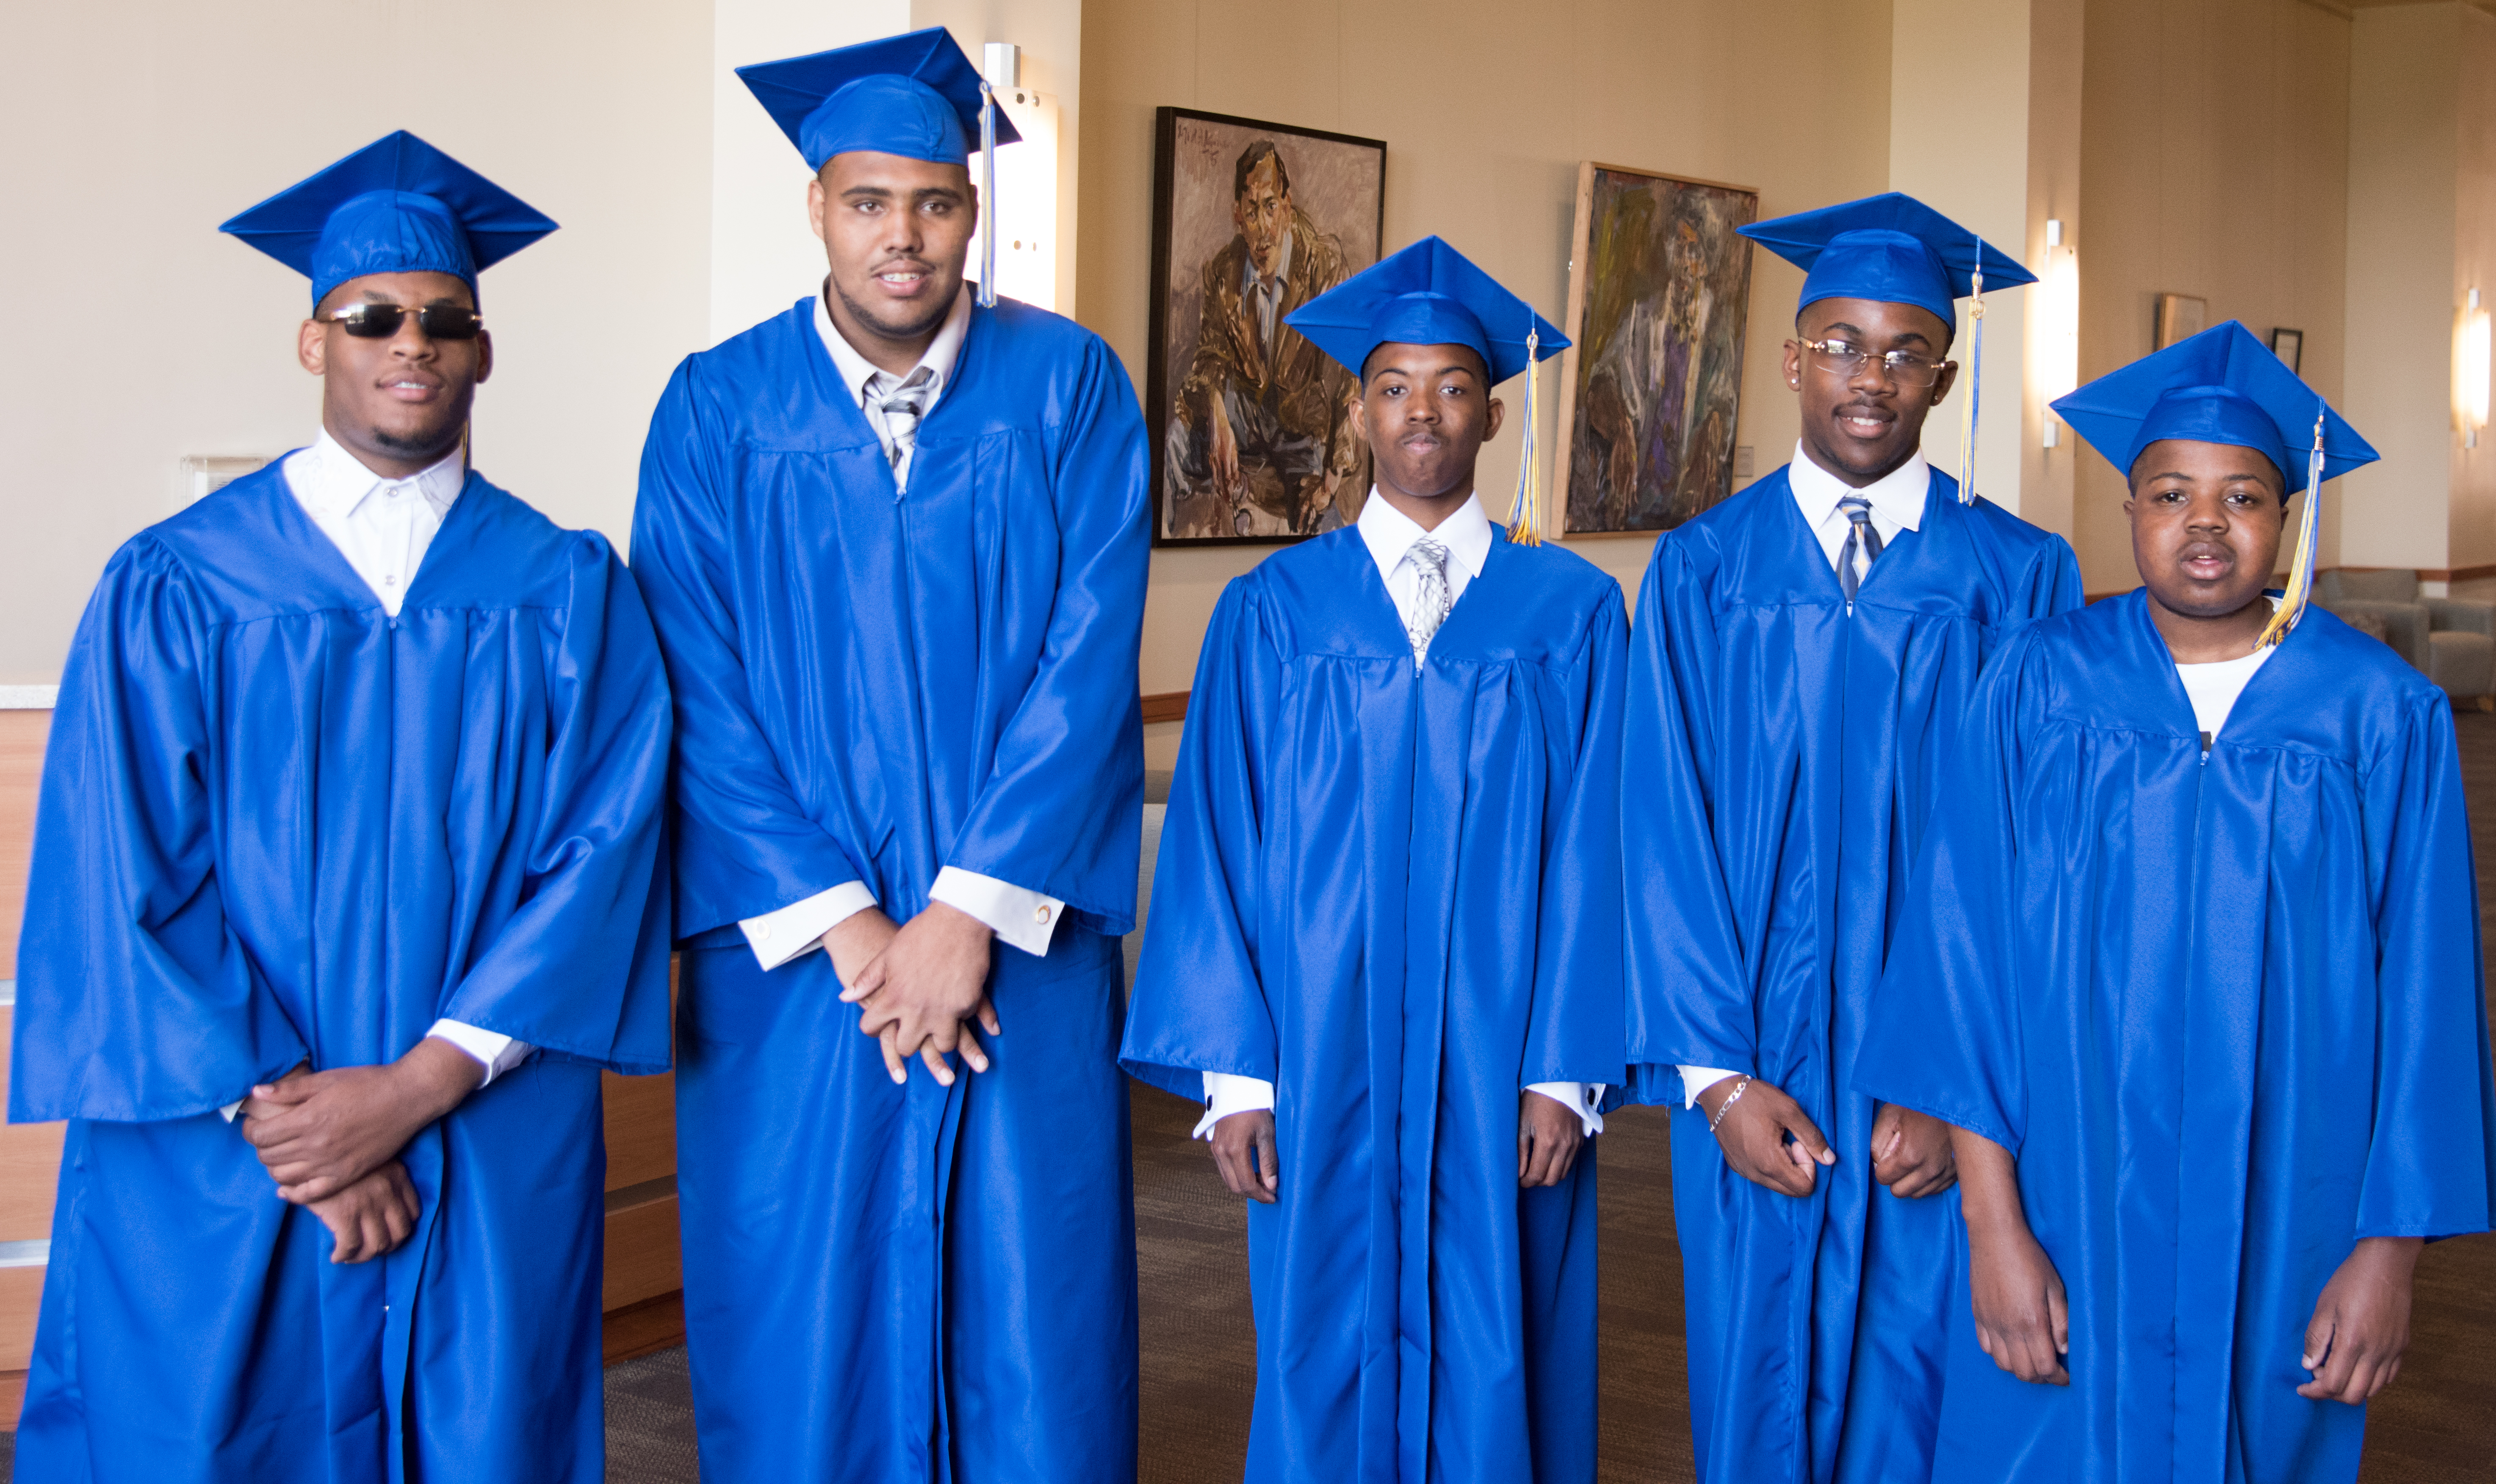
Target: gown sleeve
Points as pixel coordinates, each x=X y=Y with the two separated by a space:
x=2052 y=585
x=1688 y=1000
x=1573 y=1033
x=2432 y=1163
x=1059 y=813
x=1200 y=1004
x=581 y=966
x=743 y=845
x=137 y=1000
x=1943 y=1035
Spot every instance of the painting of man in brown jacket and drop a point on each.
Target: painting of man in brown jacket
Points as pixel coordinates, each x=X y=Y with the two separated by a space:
x=1258 y=442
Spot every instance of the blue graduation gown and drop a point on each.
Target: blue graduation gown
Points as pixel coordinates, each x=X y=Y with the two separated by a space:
x=1395 y=896
x=903 y=1282
x=1789 y=754
x=277 y=826
x=2228 y=1015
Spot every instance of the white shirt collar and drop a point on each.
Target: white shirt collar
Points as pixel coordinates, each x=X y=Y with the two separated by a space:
x=1389 y=532
x=856 y=371
x=334 y=482
x=1898 y=497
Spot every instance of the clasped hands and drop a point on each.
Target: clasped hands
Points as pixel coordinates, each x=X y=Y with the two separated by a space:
x=1769 y=1140
x=331 y=1140
x=919 y=986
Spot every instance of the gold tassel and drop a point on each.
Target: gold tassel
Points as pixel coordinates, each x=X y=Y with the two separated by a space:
x=2300 y=573
x=1525 y=514
x=1975 y=382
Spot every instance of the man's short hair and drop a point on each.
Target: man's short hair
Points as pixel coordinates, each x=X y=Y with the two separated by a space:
x=1257 y=153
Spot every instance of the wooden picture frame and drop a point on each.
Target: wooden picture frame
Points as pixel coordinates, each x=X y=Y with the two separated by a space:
x=1651 y=384
x=2288 y=345
x=1284 y=467
x=2180 y=317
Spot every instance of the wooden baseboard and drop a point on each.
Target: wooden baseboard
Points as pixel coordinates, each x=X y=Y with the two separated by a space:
x=1167 y=706
x=631 y=1331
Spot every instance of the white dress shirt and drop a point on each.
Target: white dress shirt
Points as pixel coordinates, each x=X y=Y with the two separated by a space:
x=1020 y=918
x=1898 y=501
x=383 y=527
x=1389 y=534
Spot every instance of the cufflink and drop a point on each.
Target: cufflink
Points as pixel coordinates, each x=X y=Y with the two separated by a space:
x=1040 y=915
x=763 y=930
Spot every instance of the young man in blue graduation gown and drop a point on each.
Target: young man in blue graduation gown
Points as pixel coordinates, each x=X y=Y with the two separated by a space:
x=895 y=543
x=1802 y=651
x=1385 y=931
x=2193 y=963
x=353 y=798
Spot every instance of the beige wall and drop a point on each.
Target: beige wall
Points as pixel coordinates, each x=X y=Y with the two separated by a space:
x=1486 y=111
x=2214 y=161
x=139 y=334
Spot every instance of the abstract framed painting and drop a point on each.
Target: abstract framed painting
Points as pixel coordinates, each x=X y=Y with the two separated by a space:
x=1651 y=384
x=1251 y=440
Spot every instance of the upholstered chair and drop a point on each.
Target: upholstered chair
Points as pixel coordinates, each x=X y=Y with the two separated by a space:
x=2450 y=640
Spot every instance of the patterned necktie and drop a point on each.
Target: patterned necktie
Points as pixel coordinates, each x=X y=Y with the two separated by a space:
x=1430 y=599
x=900 y=408
x=1861 y=536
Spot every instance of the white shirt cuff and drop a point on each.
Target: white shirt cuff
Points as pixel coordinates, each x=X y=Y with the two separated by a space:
x=499 y=1053
x=797 y=929
x=1696 y=1080
x=1580 y=1097
x=1020 y=918
x=1225 y=1094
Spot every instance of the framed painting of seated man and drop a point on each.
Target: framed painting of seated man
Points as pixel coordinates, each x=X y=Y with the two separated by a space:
x=1252 y=220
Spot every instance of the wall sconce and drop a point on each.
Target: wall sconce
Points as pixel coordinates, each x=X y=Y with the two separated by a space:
x=1026 y=203
x=2471 y=353
x=2058 y=342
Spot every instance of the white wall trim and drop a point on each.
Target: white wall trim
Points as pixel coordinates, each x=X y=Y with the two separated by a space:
x=29 y=697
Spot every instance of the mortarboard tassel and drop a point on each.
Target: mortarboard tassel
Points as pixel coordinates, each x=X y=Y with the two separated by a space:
x=1525 y=513
x=1975 y=380
x=987 y=195
x=2301 y=572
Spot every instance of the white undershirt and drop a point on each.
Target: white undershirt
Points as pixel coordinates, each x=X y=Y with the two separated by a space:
x=1020 y=918
x=2213 y=689
x=1389 y=534
x=1897 y=500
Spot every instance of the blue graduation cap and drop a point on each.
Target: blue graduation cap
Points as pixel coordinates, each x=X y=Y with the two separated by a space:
x=397 y=205
x=2224 y=387
x=2221 y=385
x=916 y=96
x=1891 y=248
x=1430 y=294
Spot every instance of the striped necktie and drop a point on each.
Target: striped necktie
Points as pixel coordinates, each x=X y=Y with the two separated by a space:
x=1861 y=536
x=1430 y=599
x=900 y=408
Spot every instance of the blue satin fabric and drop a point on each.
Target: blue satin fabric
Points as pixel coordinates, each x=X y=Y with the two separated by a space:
x=1396 y=897
x=1787 y=757
x=882 y=1283
x=277 y=824
x=2227 y=1013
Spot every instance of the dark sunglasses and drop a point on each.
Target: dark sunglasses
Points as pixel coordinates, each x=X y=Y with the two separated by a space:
x=380 y=321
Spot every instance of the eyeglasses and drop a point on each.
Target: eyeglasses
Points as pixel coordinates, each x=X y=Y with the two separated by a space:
x=1846 y=359
x=380 y=321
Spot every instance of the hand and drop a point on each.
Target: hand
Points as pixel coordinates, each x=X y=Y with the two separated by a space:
x=856 y=940
x=2023 y=1318
x=2361 y=1323
x=1767 y=1138
x=1221 y=446
x=371 y=1218
x=1243 y=1151
x=1549 y=1135
x=1911 y=1152
x=917 y=993
x=319 y=1132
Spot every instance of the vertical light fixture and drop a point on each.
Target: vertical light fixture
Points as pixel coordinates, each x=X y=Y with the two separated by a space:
x=1024 y=214
x=2058 y=348
x=2471 y=369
